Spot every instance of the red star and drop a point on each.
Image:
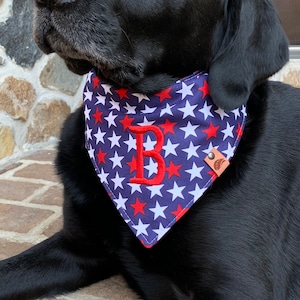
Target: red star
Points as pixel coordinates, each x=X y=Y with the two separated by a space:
x=101 y=157
x=204 y=89
x=168 y=126
x=138 y=207
x=173 y=170
x=126 y=122
x=98 y=116
x=239 y=131
x=122 y=93
x=213 y=175
x=211 y=131
x=165 y=94
x=96 y=81
x=179 y=212
x=132 y=164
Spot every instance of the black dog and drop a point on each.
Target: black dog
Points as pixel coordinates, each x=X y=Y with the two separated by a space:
x=241 y=240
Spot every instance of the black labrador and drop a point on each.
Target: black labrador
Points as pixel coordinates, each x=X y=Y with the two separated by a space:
x=241 y=240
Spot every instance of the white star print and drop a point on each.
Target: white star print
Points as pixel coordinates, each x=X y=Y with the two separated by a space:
x=103 y=176
x=170 y=148
x=167 y=110
x=111 y=119
x=244 y=111
x=188 y=110
x=210 y=147
x=131 y=143
x=149 y=144
x=130 y=109
x=118 y=181
x=87 y=113
x=186 y=90
x=91 y=152
x=101 y=99
x=197 y=192
x=195 y=171
x=135 y=187
x=114 y=105
x=228 y=132
x=206 y=111
x=107 y=88
x=221 y=113
x=151 y=167
x=161 y=231
x=148 y=110
x=99 y=136
x=191 y=150
x=141 y=228
x=155 y=190
x=117 y=160
x=189 y=129
x=176 y=191
x=114 y=139
x=229 y=152
x=88 y=95
x=158 y=211
x=88 y=133
x=120 y=202
x=141 y=97
x=146 y=122
x=89 y=76
x=236 y=113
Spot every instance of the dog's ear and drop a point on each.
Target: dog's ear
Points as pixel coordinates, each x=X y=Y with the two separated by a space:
x=250 y=45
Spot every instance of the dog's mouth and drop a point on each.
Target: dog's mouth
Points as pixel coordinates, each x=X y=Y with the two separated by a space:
x=122 y=73
x=111 y=54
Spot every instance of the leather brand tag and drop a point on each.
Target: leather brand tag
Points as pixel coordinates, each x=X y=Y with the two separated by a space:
x=217 y=161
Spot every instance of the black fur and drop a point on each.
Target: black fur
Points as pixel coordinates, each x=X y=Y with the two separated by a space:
x=241 y=240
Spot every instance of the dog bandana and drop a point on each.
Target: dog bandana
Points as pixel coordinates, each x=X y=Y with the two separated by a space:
x=157 y=154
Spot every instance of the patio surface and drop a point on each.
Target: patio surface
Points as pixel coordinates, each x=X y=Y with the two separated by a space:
x=30 y=211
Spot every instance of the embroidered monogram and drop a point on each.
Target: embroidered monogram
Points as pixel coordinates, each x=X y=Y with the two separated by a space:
x=150 y=151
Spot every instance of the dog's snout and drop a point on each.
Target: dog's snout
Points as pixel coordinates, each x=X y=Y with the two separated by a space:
x=51 y=3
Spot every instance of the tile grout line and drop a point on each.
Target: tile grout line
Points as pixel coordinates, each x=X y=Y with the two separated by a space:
x=53 y=208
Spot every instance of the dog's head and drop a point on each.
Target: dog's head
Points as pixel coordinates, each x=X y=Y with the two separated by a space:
x=147 y=44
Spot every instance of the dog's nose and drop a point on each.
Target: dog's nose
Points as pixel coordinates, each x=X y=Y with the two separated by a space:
x=50 y=3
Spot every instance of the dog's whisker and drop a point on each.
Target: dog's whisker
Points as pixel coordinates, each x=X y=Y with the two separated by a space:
x=127 y=37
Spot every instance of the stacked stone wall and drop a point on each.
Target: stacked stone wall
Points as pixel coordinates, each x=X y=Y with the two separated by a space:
x=37 y=92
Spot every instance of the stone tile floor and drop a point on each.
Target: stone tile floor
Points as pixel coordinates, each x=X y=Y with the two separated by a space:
x=30 y=211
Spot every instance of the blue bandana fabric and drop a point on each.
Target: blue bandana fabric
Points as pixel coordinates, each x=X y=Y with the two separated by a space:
x=152 y=152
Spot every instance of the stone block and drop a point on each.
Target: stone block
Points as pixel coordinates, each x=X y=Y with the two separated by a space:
x=17 y=191
x=9 y=249
x=54 y=196
x=17 y=97
x=7 y=141
x=38 y=171
x=47 y=120
x=21 y=219
x=54 y=227
x=56 y=76
x=293 y=78
x=16 y=34
x=42 y=155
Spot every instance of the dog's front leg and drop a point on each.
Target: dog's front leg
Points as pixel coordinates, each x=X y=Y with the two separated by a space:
x=52 y=267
